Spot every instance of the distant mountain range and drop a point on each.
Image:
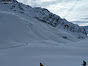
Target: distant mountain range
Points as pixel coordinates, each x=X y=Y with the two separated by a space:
x=86 y=28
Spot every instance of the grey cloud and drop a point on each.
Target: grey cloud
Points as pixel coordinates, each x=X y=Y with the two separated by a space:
x=70 y=9
x=46 y=4
x=80 y=21
x=43 y=4
x=35 y=3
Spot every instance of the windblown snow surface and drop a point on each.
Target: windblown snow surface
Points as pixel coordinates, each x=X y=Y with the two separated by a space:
x=26 y=41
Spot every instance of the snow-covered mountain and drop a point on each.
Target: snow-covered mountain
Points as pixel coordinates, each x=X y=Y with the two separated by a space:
x=29 y=36
x=75 y=11
x=22 y=23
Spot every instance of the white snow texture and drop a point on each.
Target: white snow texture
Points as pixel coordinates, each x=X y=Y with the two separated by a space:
x=29 y=36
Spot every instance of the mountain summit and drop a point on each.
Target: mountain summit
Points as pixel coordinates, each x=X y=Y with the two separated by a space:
x=7 y=1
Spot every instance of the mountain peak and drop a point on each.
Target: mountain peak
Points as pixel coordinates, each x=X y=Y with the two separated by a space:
x=7 y=1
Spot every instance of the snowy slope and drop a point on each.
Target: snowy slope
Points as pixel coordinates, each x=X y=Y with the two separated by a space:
x=32 y=54
x=21 y=23
x=25 y=40
x=45 y=16
x=15 y=29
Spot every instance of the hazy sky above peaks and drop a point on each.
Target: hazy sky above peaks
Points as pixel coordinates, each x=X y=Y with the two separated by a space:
x=73 y=10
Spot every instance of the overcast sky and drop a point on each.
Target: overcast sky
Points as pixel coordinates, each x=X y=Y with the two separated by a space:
x=72 y=10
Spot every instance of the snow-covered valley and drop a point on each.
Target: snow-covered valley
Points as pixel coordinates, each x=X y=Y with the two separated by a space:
x=29 y=36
